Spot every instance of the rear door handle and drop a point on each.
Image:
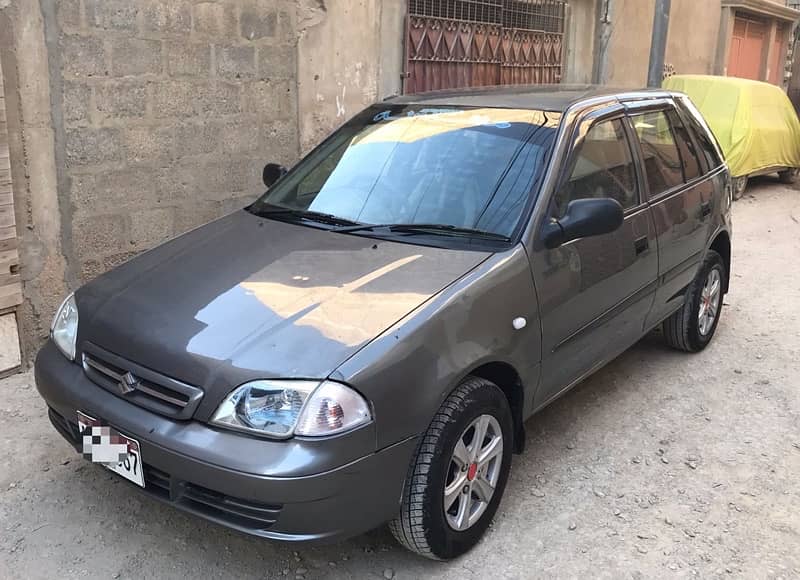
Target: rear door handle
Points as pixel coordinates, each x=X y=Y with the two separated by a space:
x=641 y=244
x=705 y=209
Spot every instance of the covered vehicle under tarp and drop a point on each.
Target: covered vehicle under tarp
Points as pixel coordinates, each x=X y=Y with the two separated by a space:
x=754 y=122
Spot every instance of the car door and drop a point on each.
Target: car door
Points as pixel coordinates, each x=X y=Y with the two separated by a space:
x=680 y=198
x=594 y=293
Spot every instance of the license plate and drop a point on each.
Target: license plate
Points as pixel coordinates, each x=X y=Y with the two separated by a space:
x=115 y=451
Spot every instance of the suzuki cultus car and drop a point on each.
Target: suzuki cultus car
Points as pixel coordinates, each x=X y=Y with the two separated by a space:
x=364 y=343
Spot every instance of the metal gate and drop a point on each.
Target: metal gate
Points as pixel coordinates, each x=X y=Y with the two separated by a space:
x=468 y=43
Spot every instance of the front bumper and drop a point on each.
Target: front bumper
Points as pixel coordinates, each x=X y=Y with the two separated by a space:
x=229 y=478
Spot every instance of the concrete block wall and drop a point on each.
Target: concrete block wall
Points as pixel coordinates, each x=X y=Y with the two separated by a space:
x=169 y=110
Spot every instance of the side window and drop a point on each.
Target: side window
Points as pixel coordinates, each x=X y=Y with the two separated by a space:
x=661 y=159
x=691 y=162
x=705 y=142
x=602 y=167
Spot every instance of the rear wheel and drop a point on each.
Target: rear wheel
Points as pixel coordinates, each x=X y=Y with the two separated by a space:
x=789 y=176
x=739 y=185
x=459 y=473
x=692 y=327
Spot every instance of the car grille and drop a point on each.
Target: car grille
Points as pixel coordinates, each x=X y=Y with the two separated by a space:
x=233 y=511
x=140 y=385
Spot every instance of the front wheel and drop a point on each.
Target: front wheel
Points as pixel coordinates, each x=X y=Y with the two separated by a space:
x=459 y=473
x=692 y=327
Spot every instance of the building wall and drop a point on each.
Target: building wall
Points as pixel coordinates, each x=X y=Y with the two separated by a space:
x=580 y=41
x=350 y=53
x=691 y=42
x=138 y=120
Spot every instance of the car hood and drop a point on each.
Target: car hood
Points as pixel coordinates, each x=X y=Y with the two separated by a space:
x=245 y=297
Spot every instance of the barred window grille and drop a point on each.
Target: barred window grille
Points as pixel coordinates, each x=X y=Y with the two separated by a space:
x=534 y=15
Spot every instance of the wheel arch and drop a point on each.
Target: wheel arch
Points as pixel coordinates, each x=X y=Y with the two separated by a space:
x=506 y=377
x=722 y=245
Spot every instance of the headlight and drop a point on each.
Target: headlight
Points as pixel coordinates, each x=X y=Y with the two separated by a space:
x=285 y=408
x=64 y=330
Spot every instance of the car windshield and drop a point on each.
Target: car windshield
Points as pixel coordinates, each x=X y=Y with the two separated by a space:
x=463 y=168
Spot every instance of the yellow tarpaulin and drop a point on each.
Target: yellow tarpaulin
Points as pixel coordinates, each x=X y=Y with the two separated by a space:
x=754 y=122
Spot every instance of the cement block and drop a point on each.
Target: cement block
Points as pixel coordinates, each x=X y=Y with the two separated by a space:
x=236 y=62
x=100 y=235
x=169 y=16
x=242 y=136
x=122 y=99
x=77 y=98
x=86 y=146
x=277 y=62
x=68 y=13
x=197 y=138
x=214 y=19
x=220 y=98
x=82 y=56
x=176 y=98
x=188 y=59
x=149 y=144
x=273 y=99
x=258 y=20
x=112 y=14
x=135 y=56
x=112 y=191
x=150 y=227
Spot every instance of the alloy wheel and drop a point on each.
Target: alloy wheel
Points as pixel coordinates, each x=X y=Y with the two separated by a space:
x=709 y=302
x=473 y=472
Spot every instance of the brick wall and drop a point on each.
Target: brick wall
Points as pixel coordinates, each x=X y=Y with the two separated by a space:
x=170 y=109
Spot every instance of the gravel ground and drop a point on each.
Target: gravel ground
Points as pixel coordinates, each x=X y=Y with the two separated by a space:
x=660 y=465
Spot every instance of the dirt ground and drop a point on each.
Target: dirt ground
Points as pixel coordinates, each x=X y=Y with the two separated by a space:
x=661 y=465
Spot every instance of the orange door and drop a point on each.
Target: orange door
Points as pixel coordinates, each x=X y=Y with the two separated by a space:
x=747 y=47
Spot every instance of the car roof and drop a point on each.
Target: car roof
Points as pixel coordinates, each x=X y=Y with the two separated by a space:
x=557 y=98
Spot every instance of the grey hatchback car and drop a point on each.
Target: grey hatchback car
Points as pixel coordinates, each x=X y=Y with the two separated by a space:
x=364 y=343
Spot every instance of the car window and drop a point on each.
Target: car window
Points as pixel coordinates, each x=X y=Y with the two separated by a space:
x=662 y=161
x=704 y=140
x=691 y=162
x=602 y=167
x=465 y=167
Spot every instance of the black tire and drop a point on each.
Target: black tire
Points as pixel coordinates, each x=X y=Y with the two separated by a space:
x=682 y=329
x=789 y=176
x=421 y=525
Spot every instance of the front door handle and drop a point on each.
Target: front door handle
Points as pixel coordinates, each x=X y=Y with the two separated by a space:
x=641 y=244
x=705 y=209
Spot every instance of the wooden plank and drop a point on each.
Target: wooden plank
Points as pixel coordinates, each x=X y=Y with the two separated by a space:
x=8 y=259
x=9 y=244
x=6 y=215
x=10 y=296
x=8 y=232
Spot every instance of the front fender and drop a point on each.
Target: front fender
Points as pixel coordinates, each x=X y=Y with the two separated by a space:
x=409 y=370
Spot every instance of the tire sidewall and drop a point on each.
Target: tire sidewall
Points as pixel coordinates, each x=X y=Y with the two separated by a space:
x=445 y=542
x=712 y=261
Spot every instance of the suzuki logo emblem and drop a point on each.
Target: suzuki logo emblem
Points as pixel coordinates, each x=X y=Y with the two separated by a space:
x=127 y=383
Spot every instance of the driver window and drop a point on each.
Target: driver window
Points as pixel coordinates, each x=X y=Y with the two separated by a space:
x=602 y=167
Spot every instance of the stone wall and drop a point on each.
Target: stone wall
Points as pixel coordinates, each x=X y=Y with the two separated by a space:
x=165 y=113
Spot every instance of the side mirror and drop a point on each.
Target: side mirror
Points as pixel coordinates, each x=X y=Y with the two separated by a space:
x=584 y=218
x=272 y=173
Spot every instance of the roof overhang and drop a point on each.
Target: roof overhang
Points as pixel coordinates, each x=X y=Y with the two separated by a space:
x=768 y=8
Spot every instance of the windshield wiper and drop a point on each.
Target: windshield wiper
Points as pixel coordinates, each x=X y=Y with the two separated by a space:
x=314 y=216
x=433 y=229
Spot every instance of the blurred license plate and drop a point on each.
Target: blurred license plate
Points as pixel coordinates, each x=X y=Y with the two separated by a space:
x=117 y=452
